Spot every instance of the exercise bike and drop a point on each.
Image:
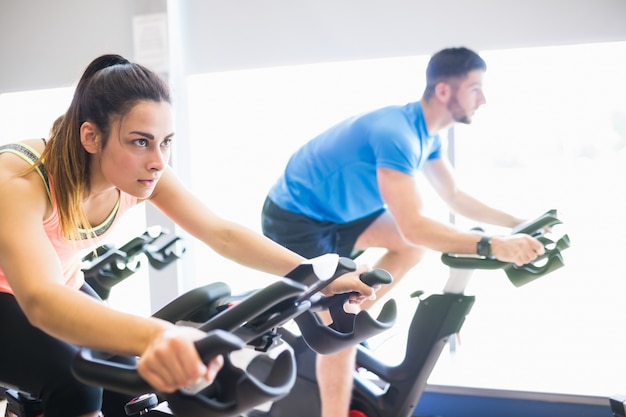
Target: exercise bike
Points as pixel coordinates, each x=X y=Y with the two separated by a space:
x=381 y=390
x=232 y=323
x=104 y=268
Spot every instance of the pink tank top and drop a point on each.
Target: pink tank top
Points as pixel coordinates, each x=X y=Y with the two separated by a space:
x=69 y=252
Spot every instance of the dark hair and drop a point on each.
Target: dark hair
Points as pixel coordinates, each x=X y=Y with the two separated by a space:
x=451 y=63
x=109 y=87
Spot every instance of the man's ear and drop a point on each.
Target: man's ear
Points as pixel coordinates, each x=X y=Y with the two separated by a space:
x=443 y=91
x=90 y=137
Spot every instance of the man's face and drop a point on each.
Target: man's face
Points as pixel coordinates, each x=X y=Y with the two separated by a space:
x=467 y=96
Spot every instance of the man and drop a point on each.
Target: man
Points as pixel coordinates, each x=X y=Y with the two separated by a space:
x=354 y=187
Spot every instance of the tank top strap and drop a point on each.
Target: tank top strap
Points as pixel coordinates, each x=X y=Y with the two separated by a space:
x=31 y=156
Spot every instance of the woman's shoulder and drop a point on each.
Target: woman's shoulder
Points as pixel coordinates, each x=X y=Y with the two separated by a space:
x=36 y=145
x=17 y=156
x=14 y=181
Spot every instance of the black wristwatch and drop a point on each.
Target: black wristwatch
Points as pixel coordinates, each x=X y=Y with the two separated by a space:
x=483 y=247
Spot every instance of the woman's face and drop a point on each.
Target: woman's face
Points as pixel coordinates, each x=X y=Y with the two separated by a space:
x=138 y=149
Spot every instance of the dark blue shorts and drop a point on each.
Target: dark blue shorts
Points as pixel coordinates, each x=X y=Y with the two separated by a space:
x=311 y=238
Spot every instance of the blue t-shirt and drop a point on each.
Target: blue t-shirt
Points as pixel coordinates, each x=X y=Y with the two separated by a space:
x=333 y=176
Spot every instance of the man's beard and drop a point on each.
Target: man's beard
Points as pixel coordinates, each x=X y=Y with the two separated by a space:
x=458 y=114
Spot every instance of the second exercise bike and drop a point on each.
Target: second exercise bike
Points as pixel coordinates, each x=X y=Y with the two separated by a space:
x=383 y=390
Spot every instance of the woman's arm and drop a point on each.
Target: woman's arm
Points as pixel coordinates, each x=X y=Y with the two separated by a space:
x=227 y=238
x=34 y=272
x=234 y=241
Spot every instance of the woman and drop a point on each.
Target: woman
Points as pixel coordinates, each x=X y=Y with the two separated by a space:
x=58 y=197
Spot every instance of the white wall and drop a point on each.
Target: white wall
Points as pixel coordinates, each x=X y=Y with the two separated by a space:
x=227 y=34
x=46 y=44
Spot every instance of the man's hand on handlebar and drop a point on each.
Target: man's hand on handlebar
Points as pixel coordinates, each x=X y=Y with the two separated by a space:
x=172 y=362
x=519 y=249
x=351 y=282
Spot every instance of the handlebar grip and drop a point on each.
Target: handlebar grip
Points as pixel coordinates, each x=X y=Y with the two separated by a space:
x=305 y=273
x=471 y=262
x=548 y=219
x=217 y=342
x=97 y=368
x=376 y=277
x=208 y=348
x=163 y=251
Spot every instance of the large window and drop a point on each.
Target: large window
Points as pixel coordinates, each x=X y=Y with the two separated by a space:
x=29 y=114
x=552 y=135
x=245 y=124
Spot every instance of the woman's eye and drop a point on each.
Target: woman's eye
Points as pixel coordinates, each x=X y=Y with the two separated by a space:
x=141 y=142
x=166 y=143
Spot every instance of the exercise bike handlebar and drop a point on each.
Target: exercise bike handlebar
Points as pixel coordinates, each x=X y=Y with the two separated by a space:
x=107 y=266
x=550 y=261
x=346 y=329
x=96 y=368
x=234 y=390
x=243 y=392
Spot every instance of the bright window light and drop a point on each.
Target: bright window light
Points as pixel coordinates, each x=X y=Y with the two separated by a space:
x=552 y=135
x=30 y=114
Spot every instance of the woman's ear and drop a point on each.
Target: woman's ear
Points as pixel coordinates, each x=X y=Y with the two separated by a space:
x=90 y=137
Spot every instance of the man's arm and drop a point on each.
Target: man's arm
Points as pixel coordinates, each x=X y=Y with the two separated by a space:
x=400 y=193
x=404 y=202
x=440 y=175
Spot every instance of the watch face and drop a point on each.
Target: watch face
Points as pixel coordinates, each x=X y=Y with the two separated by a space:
x=483 y=247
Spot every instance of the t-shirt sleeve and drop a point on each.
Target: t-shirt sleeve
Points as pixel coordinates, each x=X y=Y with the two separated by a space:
x=393 y=150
